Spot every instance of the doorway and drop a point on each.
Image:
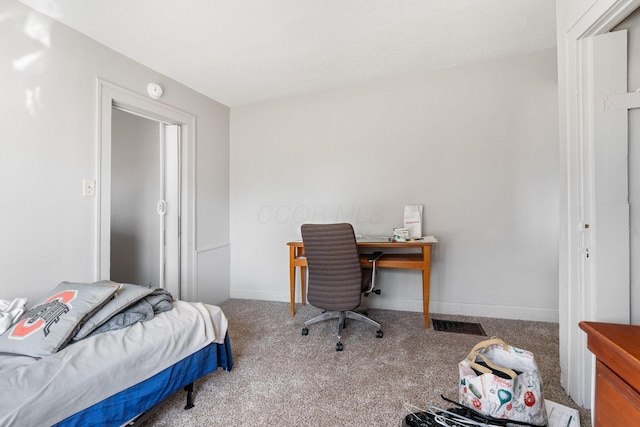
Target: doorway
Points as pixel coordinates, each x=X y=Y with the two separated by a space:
x=145 y=205
x=594 y=184
x=145 y=192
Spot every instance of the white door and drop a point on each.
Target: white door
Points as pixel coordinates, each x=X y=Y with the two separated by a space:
x=601 y=292
x=169 y=209
x=632 y=24
x=607 y=168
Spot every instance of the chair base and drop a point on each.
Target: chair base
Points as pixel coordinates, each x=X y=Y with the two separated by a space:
x=341 y=316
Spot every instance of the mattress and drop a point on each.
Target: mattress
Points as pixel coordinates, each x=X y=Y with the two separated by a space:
x=49 y=390
x=137 y=399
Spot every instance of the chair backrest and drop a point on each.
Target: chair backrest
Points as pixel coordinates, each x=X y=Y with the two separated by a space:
x=335 y=276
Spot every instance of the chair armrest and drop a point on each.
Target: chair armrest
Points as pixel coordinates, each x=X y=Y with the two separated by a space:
x=374 y=256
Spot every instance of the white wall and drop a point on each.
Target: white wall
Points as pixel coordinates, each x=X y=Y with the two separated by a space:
x=48 y=75
x=476 y=144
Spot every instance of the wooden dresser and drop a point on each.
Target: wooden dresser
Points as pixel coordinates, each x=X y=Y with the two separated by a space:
x=617 y=392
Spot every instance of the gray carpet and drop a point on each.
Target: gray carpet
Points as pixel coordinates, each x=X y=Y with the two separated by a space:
x=281 y=378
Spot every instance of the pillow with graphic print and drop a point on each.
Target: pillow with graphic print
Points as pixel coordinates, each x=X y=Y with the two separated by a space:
x=48 y=326
x=124 y=298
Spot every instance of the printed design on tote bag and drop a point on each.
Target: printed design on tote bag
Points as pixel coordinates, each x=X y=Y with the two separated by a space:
x=502 y=381
x=43 y=316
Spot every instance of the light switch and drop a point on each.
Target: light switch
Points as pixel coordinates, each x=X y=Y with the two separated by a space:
x=88 y=187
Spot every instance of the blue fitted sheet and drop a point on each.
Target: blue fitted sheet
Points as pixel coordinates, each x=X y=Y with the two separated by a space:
x=125 y=405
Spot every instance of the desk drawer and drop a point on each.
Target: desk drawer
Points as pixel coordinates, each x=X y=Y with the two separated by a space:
x=616 y=402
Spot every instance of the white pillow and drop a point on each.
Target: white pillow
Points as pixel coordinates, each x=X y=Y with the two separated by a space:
x=48 y=326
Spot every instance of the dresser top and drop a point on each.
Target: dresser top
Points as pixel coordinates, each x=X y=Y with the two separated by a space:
x=617 y=346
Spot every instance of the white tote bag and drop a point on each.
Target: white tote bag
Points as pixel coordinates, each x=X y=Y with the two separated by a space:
x=502 y=381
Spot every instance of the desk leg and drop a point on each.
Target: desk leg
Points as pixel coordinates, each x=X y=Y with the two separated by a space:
x=426 y=280
x=292 y=280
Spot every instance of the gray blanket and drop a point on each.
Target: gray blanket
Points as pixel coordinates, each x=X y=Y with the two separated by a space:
x=156 y=302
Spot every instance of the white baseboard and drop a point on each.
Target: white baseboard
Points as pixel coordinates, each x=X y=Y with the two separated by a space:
x=500 y=312
x=262 y=295
x=374 y=301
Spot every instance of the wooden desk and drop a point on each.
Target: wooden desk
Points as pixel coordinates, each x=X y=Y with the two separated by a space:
x=617 y=390
x=413 y=261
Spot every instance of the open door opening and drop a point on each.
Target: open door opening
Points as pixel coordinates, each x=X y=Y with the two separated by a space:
x=145 y=201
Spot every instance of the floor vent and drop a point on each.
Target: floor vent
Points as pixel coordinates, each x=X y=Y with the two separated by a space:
x=458 y=327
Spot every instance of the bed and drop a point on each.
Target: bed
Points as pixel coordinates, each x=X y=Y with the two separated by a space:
x=113 y=377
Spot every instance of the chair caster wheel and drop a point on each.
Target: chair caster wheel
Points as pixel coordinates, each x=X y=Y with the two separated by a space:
x=305 y=331
x=379 y=333
x=339 y=346
x=377 y=292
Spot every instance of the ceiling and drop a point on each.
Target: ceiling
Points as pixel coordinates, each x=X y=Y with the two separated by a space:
x=240 y=52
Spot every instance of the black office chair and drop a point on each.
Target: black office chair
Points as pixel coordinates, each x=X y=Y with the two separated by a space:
x=336 y=280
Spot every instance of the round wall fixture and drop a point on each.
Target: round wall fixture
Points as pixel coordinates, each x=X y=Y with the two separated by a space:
x=154 y=90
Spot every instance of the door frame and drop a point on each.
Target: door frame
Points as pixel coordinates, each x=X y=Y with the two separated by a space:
x=578 y=285
x=110 y=95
